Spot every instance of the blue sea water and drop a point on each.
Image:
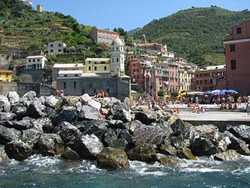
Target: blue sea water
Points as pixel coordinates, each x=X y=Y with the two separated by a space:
x=39 y=171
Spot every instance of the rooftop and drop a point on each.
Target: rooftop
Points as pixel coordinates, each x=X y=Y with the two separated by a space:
x=70 y=72
x=98 y=59
x=33 y=57
x=68 y=65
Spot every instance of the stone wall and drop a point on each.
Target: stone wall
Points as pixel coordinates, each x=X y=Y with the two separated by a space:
x=115 y=87
x=5 y=87
x=40 y=89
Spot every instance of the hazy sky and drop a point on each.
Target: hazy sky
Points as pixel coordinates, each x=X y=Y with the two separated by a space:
x=130 y=14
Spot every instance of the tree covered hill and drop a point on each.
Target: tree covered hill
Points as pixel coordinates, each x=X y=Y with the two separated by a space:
x=26 y=30
x=196 y=34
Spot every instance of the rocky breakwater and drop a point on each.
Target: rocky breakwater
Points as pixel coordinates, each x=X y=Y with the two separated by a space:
x=109 y=132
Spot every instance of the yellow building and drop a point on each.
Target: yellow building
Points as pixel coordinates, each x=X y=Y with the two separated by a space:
x=97 y=65
x=6 y=75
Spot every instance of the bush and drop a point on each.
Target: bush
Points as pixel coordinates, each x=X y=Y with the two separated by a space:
x=161 y=93
x=174 y=94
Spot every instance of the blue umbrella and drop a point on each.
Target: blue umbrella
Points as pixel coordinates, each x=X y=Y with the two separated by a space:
x=208 y=92
x=218 y=92
x=231 y=91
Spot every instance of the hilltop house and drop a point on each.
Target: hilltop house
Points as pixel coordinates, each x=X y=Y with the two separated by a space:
x=35 y=62
x=56 y=47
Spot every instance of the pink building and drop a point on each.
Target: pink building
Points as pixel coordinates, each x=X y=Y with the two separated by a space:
x=237 y=47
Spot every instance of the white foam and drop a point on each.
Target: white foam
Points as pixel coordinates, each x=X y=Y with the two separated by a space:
x=201 y=170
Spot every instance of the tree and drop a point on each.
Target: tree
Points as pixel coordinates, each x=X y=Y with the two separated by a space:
x=161 y=93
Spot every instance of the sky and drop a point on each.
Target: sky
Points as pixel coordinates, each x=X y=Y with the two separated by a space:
x=130 y=14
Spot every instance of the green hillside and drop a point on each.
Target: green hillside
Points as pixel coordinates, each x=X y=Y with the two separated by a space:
x=196 y=33
x=27 y=30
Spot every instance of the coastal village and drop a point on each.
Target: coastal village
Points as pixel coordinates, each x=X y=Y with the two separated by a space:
x=138 y=104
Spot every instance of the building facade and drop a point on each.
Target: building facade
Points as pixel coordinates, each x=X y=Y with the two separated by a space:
x=237 y=48
x=35 y=62
x=209 y=78
x=117 y=58
x=56 y=47
x=103 y=36
x=97 y=65
x=6 y=75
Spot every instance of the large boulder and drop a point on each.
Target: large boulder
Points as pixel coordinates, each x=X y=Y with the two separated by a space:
x=149 y=135
x=119 y=143
x=109 y=137
x=88 y=146
x=203 y=147
x=20 y=125
x=3 y=155
x=145 y=118
x=95 y=127
x=18 y=150
x=242 y=132
x=71 y=100
x=108 y=102
x=120 y=112
x=8 y=135
x=19 y=110
x=7 y=116
x=70 y=154
x=4 y=104
x=236 y=144
x=28 y=97
x=143 y=152
x=230 y=155
x=31 y=136
x=186 y=153
x=166 y=148
x=69 y=133
x=51 y=101
x=43 y=125
x=111 y=158
x=167 y=160
x=67 y=113
x=50 y=144
x=36 y=109
x=89 y=113
x=13 y=97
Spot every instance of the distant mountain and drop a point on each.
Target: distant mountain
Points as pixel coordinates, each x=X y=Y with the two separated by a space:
x=25 y=29
x=196 y=34
x=131 y=32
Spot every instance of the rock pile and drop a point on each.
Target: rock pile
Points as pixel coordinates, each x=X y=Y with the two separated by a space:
x=108 y=131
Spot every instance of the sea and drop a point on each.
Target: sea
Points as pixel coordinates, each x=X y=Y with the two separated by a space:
x=39 y=171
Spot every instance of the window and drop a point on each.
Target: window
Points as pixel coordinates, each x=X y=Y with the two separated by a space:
x=29 y=60
x=95 y=68
x=117 y=60
x=59 y=45
x=51 y=45
x=89 y=68
x=51 y=51
x=34 y=60
x=59 y=50
x=64 y=85
x=232 y=48
x=105 y=68
x=233 y=64
x=74 y=85
x=65 y=75
x=239 y=30
x=38 y=60
x=211 y=81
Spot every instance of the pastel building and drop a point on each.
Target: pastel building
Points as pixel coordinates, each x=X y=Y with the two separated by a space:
x=6 y=75
x=56 y=47
x=97 y=65
x=103 y=36
x=35 y=62
x=237 y=48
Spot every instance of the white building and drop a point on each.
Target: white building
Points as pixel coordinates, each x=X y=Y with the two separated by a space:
x=117 y=58
x=69 y=74
x=40 y=8
x=56 y=47
x=35 y=62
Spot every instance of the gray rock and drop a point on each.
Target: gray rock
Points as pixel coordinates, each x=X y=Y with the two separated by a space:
x=50 y=144
x=6 y=116
x=111 y=158
x=68 y=114
x=242 y=132
x=149 y=135
x=29 y=96
x=31 y=136
x=167 y=149
x=95 y=127
x=20 y=125
x=167 y=160
x=230 y=155
x=13 y=97
x=4 y=104
x=7 y=135
x=89 y=113
x=18 y=150
x=36 y=109
x=19 y=110
x=145 y=118
x=3 y=155
x=51 y=101
x=203 y=147
x=88 y=146
x=69 y=133
x=120 y=112
x=186 y=153
x=134 y=124
x=144 y=152
x=119 y=143
x=109 y=137
x=70 y=154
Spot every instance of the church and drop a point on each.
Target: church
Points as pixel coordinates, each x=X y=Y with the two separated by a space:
x=115 y=83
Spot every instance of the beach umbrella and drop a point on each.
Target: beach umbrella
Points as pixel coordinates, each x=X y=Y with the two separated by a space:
x=217 y=92
x=208 y=92
x=231 y=91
